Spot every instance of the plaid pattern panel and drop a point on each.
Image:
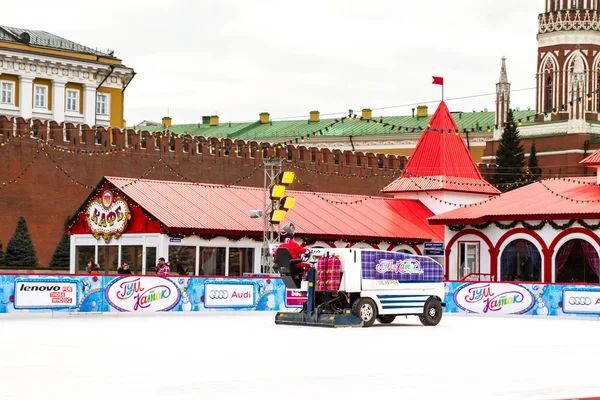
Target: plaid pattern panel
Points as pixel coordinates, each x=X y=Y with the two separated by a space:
x=378 y=265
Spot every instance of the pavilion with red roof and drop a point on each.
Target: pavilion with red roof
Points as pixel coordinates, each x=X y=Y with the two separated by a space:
x=546 y=231
x=207 y=228
x=441 y=173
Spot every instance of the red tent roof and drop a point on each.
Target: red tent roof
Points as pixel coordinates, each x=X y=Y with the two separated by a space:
x=215 y=209
x=441 y=161
x=592 y=160
x=565 y=198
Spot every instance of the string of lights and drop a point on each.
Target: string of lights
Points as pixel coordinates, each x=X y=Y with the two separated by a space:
x=376 y=194
x=20 y=175
x=241 y=179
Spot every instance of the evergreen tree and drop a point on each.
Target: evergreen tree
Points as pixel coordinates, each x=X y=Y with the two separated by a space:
x=2 y=261
x=510 y=157
x=62 y=253
x=20 y=251
x=535 y=172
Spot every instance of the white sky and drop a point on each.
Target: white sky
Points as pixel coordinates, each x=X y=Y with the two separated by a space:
x=242 y=57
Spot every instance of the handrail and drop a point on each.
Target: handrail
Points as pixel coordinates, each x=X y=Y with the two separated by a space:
x=475 y=274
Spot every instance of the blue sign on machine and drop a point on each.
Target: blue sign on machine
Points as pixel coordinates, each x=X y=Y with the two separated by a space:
x=434 y=248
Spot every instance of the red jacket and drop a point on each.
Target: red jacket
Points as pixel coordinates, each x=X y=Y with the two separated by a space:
x=294 y=248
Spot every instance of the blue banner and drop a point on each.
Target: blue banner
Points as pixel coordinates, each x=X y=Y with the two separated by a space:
x=136 y=293
x=506 y=298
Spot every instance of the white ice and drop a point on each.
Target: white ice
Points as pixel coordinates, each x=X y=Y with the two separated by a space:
x=246 y=356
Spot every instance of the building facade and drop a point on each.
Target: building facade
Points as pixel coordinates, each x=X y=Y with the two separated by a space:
x=46 y=77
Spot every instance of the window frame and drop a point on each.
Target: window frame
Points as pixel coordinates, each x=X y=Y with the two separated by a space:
x=77 y=94
x=477 y=268
x=45 y=96
x=12 y=92
x=106 y=96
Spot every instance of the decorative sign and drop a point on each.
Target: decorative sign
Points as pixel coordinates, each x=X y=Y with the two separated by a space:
x=45 y=293
x=295 y=298
x=107 y=216
x=409 y=266
x=218 y=294
x=581 y=301
x=142 y=294
x=494 y=298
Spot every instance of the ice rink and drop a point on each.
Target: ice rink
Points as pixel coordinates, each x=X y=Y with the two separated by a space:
x=246 y=356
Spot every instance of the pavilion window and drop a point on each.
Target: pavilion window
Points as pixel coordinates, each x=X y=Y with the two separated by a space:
x=468 y=256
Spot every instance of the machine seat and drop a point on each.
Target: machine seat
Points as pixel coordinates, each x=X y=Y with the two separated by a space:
x=290 y=273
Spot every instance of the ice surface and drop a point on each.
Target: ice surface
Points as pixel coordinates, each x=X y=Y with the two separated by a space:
x=246 y=356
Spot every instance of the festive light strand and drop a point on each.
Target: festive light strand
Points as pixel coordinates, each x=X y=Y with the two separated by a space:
x=344 y=202
x=22 y=173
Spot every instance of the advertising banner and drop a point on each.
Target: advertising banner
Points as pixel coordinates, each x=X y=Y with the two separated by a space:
x=295 y=298
x=45 y=293
x=507 y=298
x=142 y=293
x=150 y=293
x=139 y=293
x=581 y=301
x=224 y=294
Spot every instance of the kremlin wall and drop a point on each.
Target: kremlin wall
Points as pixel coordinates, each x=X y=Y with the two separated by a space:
x=55 y=185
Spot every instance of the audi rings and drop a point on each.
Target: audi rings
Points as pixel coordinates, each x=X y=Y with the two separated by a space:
x=218 y=294
x=580 y=301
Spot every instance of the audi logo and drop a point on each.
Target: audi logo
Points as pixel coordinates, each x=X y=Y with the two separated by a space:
x=580 y=301
x=218 y=294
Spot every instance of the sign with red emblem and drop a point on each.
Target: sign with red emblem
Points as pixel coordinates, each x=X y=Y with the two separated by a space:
x=107 y=216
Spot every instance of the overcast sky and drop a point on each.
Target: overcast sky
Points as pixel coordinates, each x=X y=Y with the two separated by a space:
x=238 y=58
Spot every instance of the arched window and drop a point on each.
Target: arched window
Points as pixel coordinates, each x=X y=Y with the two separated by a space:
x=577 y=261
x=549 y=94
x=521 y=261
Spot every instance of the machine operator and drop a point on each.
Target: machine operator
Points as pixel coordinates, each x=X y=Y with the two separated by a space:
x=296 y=250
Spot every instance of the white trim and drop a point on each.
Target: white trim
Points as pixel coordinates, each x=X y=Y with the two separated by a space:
x=106 y=104
x=543 y=153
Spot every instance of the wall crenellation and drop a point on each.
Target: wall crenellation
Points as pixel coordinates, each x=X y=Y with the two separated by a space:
x=86 y=138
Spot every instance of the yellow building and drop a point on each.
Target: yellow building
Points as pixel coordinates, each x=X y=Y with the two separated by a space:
x=44 y=76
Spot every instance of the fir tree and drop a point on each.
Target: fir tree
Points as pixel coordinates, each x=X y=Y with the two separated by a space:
x=20 y=251
x=62 y=253
x=535 y=172
x=2 y=261
x=510 y=157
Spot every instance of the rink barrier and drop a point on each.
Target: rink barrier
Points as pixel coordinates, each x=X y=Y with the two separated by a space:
x=143 y=293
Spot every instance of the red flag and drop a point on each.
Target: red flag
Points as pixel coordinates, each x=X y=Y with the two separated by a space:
x=438 y=80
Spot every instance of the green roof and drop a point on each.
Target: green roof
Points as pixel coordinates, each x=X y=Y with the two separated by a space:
x=47 y=40
x=276 y=130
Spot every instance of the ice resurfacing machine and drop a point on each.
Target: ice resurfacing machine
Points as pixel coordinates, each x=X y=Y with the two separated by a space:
x=355 y=287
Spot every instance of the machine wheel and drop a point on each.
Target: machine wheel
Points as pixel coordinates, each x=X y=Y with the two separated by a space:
x=366 y=310
x=386 y=319
x=432 y=312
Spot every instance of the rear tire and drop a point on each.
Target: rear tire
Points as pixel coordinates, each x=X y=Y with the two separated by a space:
x=432 y=312
x=386 y=319
x=366 y=310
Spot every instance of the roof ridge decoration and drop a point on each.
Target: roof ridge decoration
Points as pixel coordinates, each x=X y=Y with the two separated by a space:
x=441 y=152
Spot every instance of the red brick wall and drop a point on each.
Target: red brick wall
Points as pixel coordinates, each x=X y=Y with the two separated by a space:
x=46 y=196
x=552 y=165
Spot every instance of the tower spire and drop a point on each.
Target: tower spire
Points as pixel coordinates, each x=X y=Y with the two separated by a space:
x=502 y=98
